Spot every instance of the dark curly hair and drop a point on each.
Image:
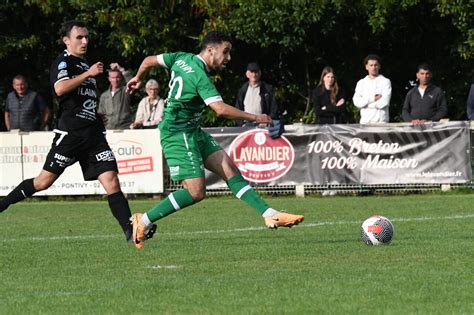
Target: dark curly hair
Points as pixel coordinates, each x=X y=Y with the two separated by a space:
x=215 y=37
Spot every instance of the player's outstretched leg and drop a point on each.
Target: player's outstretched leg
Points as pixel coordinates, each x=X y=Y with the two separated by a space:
x=143 y=227
x=25 y=189
x=273 y=218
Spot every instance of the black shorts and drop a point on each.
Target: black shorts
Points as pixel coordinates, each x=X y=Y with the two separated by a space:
x=93 y=153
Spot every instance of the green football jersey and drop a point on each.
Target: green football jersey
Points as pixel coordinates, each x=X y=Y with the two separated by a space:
x=190 y=91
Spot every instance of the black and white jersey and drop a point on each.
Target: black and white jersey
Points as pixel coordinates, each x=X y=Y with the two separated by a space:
x=77 y=109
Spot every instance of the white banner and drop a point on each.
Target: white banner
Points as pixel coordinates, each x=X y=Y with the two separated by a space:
x=138 y=154
x=10 y=161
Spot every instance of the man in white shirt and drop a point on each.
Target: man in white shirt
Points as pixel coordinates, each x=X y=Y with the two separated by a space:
x=372 y=93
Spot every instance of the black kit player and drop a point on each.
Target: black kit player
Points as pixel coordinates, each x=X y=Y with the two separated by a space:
x=79 y=131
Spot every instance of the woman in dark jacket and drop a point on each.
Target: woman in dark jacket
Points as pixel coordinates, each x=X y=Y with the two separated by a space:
x=329 y=99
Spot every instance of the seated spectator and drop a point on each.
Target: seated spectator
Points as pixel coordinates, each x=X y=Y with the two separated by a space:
x=115 y=104
x=25 y=109
x=150 y=109
x=329 y=99
x=372 y=93
x=470 y=104
x=255 y=96
x=425 y=102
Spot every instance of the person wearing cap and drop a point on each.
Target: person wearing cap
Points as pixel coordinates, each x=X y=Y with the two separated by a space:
x=255 y=96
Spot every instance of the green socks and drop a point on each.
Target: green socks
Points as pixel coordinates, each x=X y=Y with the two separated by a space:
x=242 y=190
x=174 y=202
x=182 y=198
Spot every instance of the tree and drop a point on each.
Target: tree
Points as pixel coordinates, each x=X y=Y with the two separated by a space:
x=292 y=40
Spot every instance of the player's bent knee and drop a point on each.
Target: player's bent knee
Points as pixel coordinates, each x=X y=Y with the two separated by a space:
x=198 y=196
x=41 y=184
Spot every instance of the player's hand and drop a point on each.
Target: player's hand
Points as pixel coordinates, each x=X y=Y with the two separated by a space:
x=103 y=117
x=377 y=97
x=136 y=125
x=418 y=122
x=96 y=69
x=263 y=119
x=133 y=85
x=341 y=102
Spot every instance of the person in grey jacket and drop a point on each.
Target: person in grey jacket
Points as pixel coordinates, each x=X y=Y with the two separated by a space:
x=115 y=104
x=255 y=96
x=424 y=102
x=25 y=109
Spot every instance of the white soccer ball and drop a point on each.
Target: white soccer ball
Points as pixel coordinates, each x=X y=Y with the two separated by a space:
x=377 y=230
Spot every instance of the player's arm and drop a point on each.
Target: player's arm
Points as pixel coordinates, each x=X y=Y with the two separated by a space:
x=228 y=111
x=360 y=99
x=67 y=86
x=45 y=114
x=135 y=82
x=7 y=120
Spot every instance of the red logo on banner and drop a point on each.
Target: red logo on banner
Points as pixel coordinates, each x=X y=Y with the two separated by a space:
x=133 y=166
x=260 y=158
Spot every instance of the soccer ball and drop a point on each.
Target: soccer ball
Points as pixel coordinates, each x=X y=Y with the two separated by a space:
x=376 y=230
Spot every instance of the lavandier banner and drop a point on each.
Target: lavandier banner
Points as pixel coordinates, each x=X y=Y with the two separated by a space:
x=349 y=154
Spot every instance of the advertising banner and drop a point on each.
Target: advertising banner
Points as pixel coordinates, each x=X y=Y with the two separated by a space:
x=138 y=154
x=349 y=154
x=11 y=171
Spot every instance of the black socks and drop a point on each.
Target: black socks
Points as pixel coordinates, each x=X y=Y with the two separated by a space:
x=119 y=206
x=22 y=191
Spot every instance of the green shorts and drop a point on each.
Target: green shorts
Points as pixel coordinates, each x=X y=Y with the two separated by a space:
x=186 y=151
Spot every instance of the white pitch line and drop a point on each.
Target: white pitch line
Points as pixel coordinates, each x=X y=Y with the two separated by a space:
x=163 y=267
x=248 y=229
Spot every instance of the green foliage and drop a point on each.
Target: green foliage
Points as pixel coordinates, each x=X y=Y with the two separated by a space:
x=292 y=40
x=462 y=15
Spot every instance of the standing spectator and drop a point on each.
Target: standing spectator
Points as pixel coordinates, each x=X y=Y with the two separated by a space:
x=329 y=99
x=470 y=104
x=372 y=93
x=425 y=102
x=115 y=104
x=25 y=109
x=150 y=109
x=255 y=96
x=79 y=134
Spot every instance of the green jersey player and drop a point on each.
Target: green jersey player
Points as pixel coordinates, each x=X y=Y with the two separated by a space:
x=187 y=148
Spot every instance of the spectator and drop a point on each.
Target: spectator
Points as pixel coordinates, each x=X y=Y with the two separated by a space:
x=425 y=102
x=25 y=109
x=115 y=104
x=372 y=93
x=470 y=104
x=150 y=109
x=255 y=96
x=329 y=99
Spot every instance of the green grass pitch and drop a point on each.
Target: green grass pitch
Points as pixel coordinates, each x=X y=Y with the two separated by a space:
x=217 y=258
